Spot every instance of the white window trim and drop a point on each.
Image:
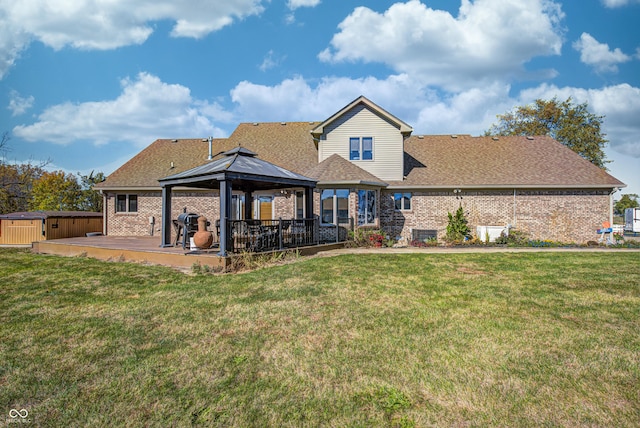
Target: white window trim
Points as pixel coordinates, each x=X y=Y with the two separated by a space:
x=402 y=207
x=334 y=205
x=361 y=150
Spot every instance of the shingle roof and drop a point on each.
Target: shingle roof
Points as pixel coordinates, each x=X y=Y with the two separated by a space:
x=238 y=164
x=435 y=161
x=337 y=170
x=441 y=161
x=288 y=145
x=160 y=159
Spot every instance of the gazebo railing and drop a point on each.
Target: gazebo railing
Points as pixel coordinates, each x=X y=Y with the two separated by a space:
x=268 y=235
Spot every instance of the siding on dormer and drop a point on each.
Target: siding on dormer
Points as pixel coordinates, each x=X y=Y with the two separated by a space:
x=388 y=150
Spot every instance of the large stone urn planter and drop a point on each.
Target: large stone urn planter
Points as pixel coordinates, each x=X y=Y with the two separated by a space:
x=202 y=238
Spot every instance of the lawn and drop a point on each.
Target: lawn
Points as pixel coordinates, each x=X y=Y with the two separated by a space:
x=524 y=339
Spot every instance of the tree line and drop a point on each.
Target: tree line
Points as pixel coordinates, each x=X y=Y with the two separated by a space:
x=30 y=187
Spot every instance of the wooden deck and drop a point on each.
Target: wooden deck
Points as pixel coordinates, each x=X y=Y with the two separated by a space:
x=147 y=249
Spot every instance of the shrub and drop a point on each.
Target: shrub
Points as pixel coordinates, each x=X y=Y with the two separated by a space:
x=371 y=238
x=515 y=238
x=431 y=241
x=457 y=229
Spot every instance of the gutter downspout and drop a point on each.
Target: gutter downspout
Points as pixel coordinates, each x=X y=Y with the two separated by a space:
x=104 y=212
x=615 y=189
x=514 y=208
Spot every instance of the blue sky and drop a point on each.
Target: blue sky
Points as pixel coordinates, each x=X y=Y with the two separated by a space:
x=88 y=84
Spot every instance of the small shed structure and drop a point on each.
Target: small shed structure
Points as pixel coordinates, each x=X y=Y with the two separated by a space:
x=23 y=228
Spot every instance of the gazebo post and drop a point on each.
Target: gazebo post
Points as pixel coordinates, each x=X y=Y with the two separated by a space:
x=225 y=215
x=308 y=201
x=166 y=216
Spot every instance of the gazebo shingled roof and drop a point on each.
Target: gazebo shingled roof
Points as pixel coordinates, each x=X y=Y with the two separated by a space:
x=241 y=166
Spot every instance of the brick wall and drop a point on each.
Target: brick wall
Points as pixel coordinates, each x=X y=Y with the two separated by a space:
x=284 y=206
x=150 y=204
x=564 y=216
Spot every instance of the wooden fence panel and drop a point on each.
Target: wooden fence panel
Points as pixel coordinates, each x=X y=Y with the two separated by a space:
x=58 y=228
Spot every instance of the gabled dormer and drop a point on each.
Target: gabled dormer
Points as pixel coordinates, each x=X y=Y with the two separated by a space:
x=366 y=135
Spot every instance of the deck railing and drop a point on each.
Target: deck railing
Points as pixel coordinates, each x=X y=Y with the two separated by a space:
x=280 y=234
x=269 y=235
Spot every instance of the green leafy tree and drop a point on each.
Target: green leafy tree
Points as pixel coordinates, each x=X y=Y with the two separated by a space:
x=626 y=201
x=56 y=191
x=16 y=183
x=16 y=180
x=457 y=229
x=90 y=199
x=571 y=124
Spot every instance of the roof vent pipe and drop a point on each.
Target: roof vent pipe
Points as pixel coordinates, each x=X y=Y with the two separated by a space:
x=210 y=148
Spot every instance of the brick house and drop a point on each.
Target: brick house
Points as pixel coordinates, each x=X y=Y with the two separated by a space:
x=371 y=172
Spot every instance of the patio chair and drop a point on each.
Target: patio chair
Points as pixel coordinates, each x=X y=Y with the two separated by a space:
x=298 y=232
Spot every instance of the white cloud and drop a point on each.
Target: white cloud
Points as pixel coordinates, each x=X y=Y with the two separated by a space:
x=598 y=55
x=489 y=39
x=470 y=111
x=618 y=3
x=426 y=110
x=296 y=100
x=13 y=40
x=295 y=4
x=90 y=24
x=270 y=61
x=147 y=109
x=19 y=105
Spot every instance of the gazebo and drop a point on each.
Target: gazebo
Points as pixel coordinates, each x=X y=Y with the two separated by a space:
x=238 y=169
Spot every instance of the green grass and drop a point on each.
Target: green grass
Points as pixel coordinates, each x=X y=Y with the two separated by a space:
x=525 y=339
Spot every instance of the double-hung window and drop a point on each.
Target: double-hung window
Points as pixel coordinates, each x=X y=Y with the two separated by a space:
x=361 y=148
x=402 y=201
x=366 y=207
x=126 y=203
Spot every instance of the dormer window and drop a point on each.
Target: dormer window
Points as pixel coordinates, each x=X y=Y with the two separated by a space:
x=361 y=148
